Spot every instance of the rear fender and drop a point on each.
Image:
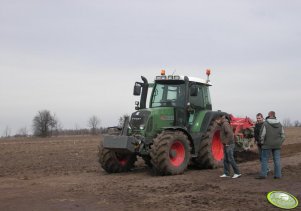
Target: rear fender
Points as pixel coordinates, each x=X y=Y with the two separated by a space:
x=208 y=118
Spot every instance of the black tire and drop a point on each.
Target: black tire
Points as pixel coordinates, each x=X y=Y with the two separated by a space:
x=211 y=151
x=170 y=153
x=113 y=162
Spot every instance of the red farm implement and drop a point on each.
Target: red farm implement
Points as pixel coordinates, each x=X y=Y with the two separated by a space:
x=243 y=129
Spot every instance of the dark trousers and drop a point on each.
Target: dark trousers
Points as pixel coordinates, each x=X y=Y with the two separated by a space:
x=229 y=160
x=259 y=151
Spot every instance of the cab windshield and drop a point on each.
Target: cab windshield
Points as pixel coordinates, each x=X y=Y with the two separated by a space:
x=168 y=95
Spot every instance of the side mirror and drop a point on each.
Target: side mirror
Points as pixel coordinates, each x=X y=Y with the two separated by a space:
x=137 y=89
x=193 y=91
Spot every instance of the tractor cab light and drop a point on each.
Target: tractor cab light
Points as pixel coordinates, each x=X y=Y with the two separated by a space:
x=161 y=77
x=170 y=77
x=176 y=77
x=137 y=105
x=162 y=72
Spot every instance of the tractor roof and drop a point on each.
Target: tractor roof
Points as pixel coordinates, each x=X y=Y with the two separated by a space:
x=198 y=80
x=181 y=78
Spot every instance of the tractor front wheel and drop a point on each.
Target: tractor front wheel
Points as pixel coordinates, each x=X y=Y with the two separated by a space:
x=170 y=153
x=113 y=162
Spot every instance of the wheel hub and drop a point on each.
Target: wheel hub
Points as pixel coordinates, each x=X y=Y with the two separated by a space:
x=177 y=153
x=217 y=147
x=172 y=153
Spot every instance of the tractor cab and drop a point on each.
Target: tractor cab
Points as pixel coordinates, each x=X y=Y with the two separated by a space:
x=181 y=98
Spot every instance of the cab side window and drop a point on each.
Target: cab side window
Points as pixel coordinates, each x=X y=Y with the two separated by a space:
x=207 y=99
x=198 y=101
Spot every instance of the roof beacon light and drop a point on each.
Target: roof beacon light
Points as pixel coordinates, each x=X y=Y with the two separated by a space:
x=162 y=72
x=208 y=72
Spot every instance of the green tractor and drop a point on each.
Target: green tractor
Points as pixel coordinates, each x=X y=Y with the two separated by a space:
x=176 y=130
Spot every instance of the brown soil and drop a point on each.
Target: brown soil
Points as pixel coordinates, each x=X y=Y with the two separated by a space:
x=63 y=174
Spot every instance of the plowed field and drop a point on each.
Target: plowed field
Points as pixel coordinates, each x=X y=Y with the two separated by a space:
x=62 y=173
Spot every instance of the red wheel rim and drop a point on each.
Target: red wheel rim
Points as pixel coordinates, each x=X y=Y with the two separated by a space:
x=177 y=153
x=217 y=147
x=122 y=159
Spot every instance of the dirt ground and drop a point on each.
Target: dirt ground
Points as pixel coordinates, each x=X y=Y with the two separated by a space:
x=62 y=173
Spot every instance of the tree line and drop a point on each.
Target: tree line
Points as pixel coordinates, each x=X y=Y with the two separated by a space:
x=288 y=123
x=46 y=124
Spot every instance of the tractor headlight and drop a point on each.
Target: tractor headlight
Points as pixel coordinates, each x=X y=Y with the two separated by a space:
x=141 y=127
x=170 y=77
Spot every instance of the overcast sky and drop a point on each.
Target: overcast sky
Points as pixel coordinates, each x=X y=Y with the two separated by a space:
x=81 y=58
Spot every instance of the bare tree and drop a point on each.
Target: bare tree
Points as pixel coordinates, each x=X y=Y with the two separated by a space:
x=58 y=127
x=286 y=122
x=93 y=124
x=43 y=123
x=7 y=132
x=297 y=124
x=76 y=129
x=22 y=132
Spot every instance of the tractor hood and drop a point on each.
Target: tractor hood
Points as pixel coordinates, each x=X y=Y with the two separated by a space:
x=139 y=119
x=149 y=122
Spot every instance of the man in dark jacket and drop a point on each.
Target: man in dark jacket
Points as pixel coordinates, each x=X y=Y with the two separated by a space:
x=258 y=125
x=271 y=137
x=227 y=137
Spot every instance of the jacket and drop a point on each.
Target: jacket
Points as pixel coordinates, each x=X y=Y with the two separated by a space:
x=272 y=134
x=257 y=132
x=226 y=133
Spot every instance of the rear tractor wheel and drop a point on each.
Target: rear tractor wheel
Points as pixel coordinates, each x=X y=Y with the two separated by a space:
x=211 y=151
x=113 y=162
x=170 y=153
